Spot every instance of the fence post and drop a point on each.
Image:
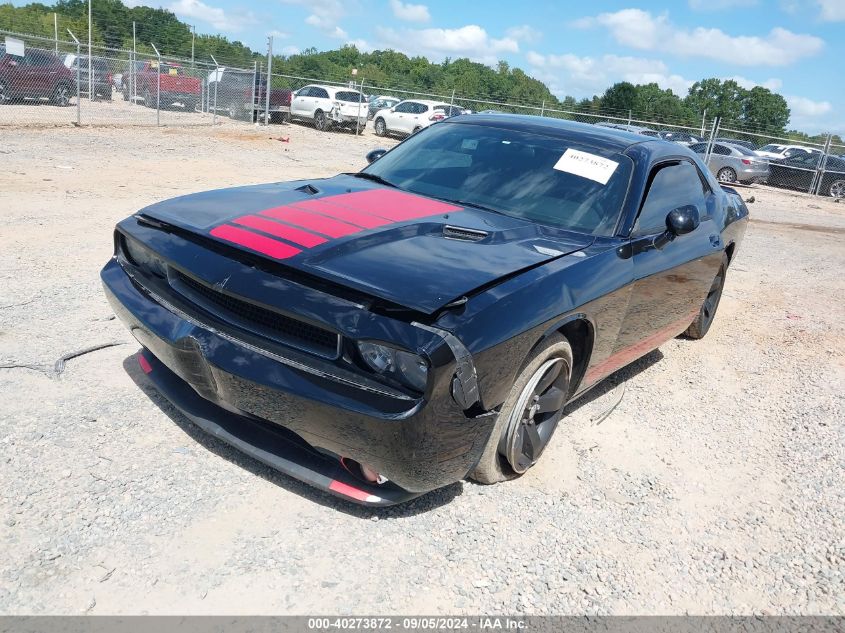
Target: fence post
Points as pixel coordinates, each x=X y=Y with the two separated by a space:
x=703 y=122
x=452 y=101
x=269 y=80
x=252 y=93
x=216 y=82
x=543 y=108
x=360 y=101
x=56 y=30
x=713 y=132
x=133 y=87
x=158 y=86
x=820 y=168
x=78 y=51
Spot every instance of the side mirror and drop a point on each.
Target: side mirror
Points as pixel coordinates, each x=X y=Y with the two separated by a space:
x=375 y=154
x=393 y=109
x=683 y=220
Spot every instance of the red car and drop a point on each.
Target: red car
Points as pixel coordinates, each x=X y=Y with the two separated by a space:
x=38 y=74
x=170 y=79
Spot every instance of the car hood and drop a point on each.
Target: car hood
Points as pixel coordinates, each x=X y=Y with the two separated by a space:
x=411 y=250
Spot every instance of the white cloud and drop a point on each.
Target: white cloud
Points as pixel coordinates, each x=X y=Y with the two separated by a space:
x=587 y=76
x=641 y=30
x=287 y=51
x=325 y=15
x=361 y=44
x=720 y=5
x=832 y=10
x=524 y=33
x=772 y=84
x=814 y=117
x=215 y=16
x=470 y=41
x=410 y=12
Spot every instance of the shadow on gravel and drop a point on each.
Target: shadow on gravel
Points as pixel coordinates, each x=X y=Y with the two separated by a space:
x=425 y=503
x=615 y=379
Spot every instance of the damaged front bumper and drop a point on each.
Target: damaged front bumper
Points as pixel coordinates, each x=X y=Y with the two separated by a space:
x=298 y=413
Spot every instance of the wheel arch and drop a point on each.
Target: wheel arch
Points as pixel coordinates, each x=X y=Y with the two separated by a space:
x=579 y=331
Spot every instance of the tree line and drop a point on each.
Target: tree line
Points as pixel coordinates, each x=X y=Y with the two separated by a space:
x=757 y=109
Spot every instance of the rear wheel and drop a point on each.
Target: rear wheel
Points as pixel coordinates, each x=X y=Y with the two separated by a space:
x=4 y=93
x=530 y=414
x=699 y=328
x=148 y=99
x=61 y=96
x=837 y=189
x=380 y=127
x=726 y=174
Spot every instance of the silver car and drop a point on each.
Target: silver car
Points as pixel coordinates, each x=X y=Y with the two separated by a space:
x=734 y=163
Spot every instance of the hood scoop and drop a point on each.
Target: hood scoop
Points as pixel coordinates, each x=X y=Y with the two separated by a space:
x=308 y=188
x=463 y=234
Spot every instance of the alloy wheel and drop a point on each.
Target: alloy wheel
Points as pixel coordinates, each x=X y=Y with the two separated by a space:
x=320 y=121
x=837 y=189
x=62 y=96
x=380 y=127
x=535 y=416
x=726 y=174
x=4 y=95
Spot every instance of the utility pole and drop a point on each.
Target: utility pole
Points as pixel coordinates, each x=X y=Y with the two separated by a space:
x=56 y=32
x=193 y=37
x=132 y=80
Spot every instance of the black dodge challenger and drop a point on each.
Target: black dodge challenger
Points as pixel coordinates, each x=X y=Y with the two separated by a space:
x=384 y=333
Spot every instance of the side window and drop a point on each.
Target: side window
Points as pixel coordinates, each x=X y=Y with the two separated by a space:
x=672 y=186
x=721 y=150
x=699 y=148
x=304 y=92
x=421 y=108
x=320 y=93
x=407 y=106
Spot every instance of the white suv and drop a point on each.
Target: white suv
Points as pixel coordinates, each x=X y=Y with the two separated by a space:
x=408 y=117
x=327 y=106
x=776 y=150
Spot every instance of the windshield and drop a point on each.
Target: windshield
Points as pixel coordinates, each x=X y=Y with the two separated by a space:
x=771 y=148
x=743 y=150
x=512 y=172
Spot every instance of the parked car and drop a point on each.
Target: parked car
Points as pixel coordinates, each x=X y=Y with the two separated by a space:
x=799 y=172
x=38 y=74
x=381 y=334
x=409 y=116
x=734 y=163
x=381 y=102
x=740 y=142
x=101 y=77
x=635 y=129
x=778 y=151
x=241 y=99
x=679 y=136
x=329 y=106
x=175 y=85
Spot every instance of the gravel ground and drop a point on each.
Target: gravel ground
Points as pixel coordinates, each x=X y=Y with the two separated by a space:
x=715 y=487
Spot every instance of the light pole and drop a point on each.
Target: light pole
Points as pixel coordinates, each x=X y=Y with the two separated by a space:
x=193 y=37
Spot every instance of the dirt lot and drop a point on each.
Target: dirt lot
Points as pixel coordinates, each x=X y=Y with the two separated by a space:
x=714 y=487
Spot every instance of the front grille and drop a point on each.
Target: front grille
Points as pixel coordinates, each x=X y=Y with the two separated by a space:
x=257 y=319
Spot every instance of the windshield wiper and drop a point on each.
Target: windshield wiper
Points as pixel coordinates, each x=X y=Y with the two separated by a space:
x=474 y=205
x=374 y=178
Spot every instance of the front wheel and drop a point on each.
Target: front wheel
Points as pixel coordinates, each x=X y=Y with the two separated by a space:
x=321 y=121
x=837 y=189
x=61 y=97
x=4 y=93
x=530 y=414
x=701 y=325
x=726 y=174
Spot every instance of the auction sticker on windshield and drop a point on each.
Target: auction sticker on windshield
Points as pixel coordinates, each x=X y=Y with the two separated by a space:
x=586 y=165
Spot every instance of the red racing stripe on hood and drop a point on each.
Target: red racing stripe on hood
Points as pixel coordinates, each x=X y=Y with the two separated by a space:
x=312 y=221
x=255 y=242
x=392 y=204
x=284 y=231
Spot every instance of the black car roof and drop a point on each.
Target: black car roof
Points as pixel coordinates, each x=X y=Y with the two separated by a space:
x=599 y=137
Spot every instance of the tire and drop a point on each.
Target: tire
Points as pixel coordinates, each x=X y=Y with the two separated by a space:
x=4 y=94
x=701 y=325
x=321 y=121
x=234 y=111
x=148 y=99
x=61 y=95
x=522 y=431
x=126 y=94
x=726 y=174
x=837 y=189
x=380 y=127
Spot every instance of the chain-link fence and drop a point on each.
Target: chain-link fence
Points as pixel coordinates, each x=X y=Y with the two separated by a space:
x=57 y=81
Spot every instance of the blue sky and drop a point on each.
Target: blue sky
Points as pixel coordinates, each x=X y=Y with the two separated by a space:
x=577 y=48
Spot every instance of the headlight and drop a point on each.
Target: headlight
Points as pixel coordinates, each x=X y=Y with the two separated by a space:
x=409 y=369
x=143 y=257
